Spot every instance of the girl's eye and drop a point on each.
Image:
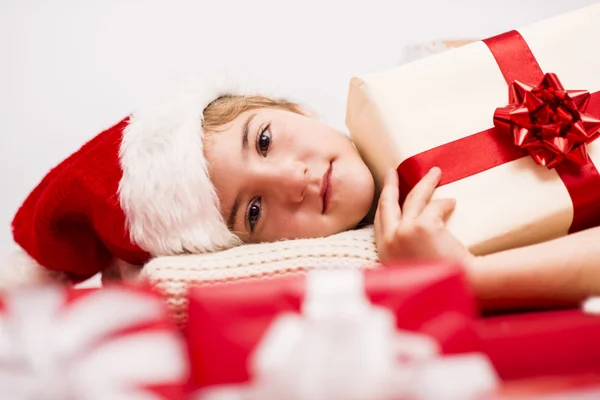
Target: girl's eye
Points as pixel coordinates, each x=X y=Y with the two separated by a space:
x=263 y=141
x=253 y=214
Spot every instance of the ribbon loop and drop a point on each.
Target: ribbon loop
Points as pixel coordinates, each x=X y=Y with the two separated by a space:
x=548 y=121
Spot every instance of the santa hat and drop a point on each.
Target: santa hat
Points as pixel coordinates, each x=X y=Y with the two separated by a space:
x=137 y=190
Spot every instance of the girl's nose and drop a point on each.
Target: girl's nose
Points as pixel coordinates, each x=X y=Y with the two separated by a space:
x=287 y=181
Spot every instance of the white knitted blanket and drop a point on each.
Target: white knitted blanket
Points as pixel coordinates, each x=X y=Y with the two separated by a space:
x=174 y=275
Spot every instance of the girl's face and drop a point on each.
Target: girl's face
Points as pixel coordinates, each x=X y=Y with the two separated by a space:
x=282 y=175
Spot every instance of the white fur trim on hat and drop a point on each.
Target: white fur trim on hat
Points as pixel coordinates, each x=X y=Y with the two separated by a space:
x=20 y=269
x=169 y=201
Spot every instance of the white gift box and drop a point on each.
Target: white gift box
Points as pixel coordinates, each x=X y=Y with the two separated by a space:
x=396 y=114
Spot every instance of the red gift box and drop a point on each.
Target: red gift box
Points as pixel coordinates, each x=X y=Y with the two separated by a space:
x=550 y=343
x=226 y=322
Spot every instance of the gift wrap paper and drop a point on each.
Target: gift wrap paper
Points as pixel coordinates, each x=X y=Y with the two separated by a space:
x=399 y=113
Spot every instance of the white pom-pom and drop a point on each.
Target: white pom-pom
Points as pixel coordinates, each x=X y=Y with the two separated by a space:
x=20 y=269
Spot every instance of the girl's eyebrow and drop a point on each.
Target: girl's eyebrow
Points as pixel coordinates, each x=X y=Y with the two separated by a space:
x=246 y=132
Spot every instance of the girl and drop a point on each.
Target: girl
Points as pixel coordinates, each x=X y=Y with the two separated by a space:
x=217 y=166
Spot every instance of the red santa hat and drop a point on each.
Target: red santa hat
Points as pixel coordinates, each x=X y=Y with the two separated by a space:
x=138 y=190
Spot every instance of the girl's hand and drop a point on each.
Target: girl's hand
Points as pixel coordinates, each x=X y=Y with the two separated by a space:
x=419 y=230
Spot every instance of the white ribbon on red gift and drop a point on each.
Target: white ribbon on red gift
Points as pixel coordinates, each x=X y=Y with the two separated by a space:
x=114 y=343
x=342 y=347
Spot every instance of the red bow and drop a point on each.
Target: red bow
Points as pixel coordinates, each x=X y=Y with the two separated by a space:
x=549 y=121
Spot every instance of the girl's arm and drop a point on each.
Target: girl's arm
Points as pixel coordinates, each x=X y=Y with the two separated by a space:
x=560 y=272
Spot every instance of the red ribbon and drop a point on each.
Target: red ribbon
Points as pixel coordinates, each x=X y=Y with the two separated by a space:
x=547 y=121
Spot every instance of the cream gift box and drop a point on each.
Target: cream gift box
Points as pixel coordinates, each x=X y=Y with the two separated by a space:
x=450 y=98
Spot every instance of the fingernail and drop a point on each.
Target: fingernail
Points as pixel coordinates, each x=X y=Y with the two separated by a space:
x=435 y=171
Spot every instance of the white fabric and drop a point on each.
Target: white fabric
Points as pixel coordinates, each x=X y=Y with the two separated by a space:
x=174 y=275
x=19 y=269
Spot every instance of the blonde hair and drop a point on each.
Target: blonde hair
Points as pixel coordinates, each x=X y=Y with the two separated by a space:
x=227 y=108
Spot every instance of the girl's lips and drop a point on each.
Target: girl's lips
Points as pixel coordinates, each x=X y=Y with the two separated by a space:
x=326 y=188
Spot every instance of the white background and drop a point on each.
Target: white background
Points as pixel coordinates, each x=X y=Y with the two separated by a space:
x=69 y=69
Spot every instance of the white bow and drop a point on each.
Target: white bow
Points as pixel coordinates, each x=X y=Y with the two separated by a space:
x=342 y=347
x=92 y=348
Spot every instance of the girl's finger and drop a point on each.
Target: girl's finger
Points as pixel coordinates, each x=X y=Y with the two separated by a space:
x=438 y=210
x=419 y=196
x=388 y=209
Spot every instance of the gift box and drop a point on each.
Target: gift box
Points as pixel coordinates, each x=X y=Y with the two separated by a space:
x=540 y=344
x=228 y=321
x=113 y=343
x=571 y=387
x=510 y=120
